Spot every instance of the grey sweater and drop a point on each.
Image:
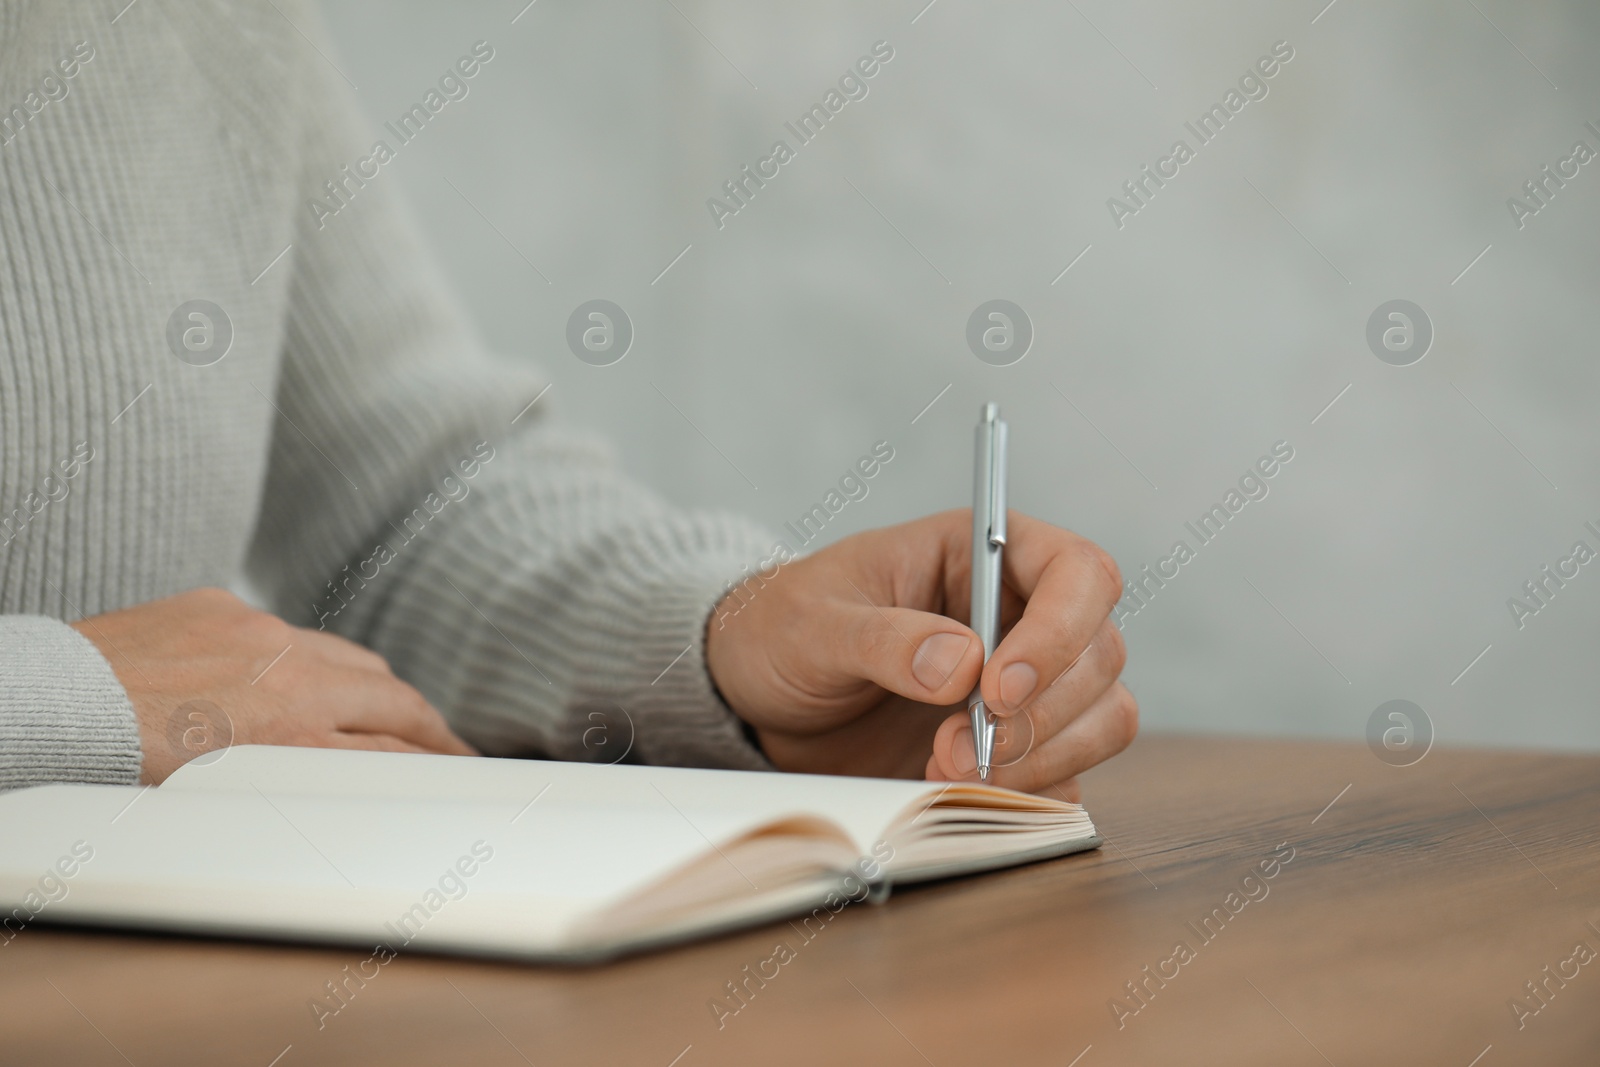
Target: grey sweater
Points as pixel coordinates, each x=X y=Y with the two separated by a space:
x=324 y=422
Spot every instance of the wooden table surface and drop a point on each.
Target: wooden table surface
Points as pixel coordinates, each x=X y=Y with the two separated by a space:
x=1413 y=912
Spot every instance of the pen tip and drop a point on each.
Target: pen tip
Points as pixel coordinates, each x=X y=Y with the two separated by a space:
x=983 y=774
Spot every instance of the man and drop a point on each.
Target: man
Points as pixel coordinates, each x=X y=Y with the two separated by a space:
x=221 y=346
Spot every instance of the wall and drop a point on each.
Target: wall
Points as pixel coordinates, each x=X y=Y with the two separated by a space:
x=1222 y=317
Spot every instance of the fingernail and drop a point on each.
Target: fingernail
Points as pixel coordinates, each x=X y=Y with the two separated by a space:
x=938 y=658
x=1016 y=685
x=964 y=755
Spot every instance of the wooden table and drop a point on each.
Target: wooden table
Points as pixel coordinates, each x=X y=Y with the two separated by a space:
x=1417 y=903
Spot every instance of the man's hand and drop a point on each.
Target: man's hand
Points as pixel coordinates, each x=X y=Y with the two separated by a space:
x=857 y=660
x=204 y=663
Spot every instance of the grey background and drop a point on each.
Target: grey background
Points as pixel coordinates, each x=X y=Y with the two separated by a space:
x=1219 y=320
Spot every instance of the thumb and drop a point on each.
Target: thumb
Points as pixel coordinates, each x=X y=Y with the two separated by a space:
x=916 y=654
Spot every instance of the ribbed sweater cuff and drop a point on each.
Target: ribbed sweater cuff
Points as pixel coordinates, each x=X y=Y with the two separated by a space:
x=688 y=723
x=64 y=716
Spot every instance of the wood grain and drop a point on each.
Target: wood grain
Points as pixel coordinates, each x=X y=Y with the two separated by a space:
x=1412 y=912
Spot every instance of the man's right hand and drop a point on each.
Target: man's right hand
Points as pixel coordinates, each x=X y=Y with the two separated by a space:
x=276 y=684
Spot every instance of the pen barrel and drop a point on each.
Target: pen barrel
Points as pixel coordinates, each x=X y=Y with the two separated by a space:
x=988 y=529
x=985 y=612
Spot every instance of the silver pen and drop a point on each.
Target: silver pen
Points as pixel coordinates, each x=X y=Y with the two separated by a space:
x=988 y=541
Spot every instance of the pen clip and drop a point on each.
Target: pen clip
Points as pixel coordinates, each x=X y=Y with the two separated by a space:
x=997 y=483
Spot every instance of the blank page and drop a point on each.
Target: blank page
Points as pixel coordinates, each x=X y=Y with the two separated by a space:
x=864 y=807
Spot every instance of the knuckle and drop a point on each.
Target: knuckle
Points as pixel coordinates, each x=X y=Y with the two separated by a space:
x=1126 y=718
x=1116 y=649
x=262 y=626
x=214 y=598
x=358 y=655
x=1108 y=567
x=425 y=708
x=880 y=644
x=373 y=660
x=412 y=701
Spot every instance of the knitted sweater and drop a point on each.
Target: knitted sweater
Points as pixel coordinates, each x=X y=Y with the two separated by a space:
x=203 y=374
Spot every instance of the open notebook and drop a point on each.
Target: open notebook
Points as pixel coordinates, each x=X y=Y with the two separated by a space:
x=517 y=858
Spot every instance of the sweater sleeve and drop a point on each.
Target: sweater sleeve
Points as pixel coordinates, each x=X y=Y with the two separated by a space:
x=64 y=716
x=417 y=503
